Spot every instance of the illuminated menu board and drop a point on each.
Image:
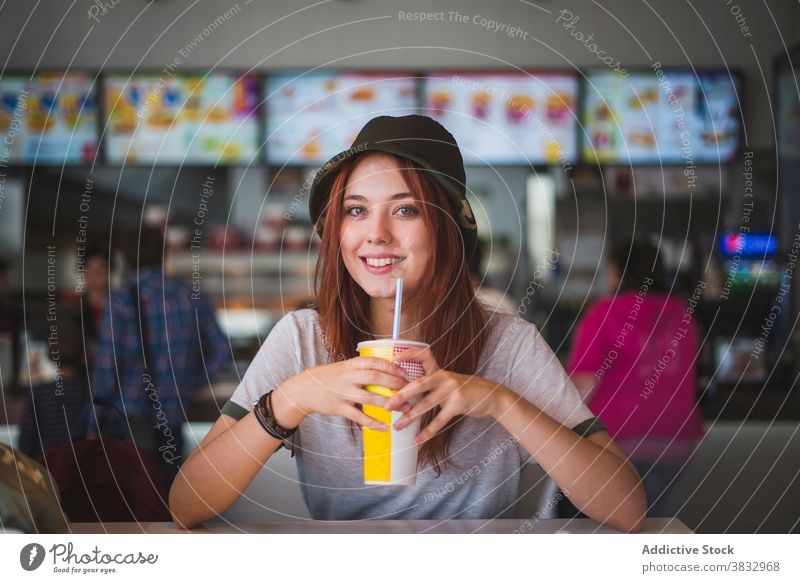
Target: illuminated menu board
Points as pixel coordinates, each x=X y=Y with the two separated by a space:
x=314 y=116
x=48 y=119
x=181 y=119
x=671 y=117
x=507 y=118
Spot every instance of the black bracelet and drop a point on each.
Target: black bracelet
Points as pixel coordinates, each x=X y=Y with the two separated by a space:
x=264 y=413
x=259 y=413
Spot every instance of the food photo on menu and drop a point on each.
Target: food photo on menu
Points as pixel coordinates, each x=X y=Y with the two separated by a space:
x=50 y=118
x=191 y=119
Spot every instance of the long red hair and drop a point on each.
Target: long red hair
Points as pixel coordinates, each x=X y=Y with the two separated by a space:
x=455 y=325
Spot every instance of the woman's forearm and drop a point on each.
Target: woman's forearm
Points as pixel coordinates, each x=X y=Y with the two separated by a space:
x=214 y=476
x=602 y=484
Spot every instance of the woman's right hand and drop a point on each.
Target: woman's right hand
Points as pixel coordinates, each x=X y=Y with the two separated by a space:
x=336 y=389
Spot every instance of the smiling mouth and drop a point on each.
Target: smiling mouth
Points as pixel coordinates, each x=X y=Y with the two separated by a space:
x=382 y=262
x=380 y=266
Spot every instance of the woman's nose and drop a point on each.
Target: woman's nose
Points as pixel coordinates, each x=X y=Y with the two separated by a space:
x=378 y=230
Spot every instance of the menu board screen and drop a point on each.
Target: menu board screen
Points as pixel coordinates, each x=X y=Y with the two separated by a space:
x=48 y=119
x=661 y=117
x=182 y=119
x=507 y=118
x=314 y=116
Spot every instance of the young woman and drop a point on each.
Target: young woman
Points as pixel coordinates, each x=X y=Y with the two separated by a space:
x=493 y=397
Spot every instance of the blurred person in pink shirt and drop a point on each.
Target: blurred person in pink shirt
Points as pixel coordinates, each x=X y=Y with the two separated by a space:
x=633 y=362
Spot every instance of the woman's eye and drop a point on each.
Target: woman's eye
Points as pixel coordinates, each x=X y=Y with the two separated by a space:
x=354 y=211
x=407 y=211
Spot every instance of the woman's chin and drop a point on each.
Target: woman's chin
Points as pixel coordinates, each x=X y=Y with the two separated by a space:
x=379 y=289
x=380 y=292
x=383 y=286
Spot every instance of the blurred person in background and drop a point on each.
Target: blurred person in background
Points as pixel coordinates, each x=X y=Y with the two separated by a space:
x=634 y=362
x=52 y=409
x=96 y=283
x=155 y=353
x=94 y=290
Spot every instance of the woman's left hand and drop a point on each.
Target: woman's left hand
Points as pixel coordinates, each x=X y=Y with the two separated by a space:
x=456 y=394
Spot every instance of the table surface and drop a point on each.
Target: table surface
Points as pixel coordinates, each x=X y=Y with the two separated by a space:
x=498 y=526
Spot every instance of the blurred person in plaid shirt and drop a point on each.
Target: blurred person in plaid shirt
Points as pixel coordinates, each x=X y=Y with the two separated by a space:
x=184 y=349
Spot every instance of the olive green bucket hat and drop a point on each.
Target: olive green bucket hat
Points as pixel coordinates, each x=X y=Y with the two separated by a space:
x=417 y=138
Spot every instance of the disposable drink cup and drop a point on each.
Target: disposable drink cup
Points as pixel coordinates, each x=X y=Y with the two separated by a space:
x=390 y=457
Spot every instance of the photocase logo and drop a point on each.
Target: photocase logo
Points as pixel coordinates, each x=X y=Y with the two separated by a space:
x=31 y=556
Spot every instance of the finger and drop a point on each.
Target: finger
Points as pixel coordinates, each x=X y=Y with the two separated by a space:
x=373 y=363
x=426 y=404
x=436 y=425
x=364 y=397
x=424 y=356
x=380 y=378
x=411 y=390
x=357 y=415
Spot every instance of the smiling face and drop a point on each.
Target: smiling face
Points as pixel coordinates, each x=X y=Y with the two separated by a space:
x=383 y=235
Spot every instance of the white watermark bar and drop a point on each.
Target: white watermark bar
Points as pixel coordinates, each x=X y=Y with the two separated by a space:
x=400 y=557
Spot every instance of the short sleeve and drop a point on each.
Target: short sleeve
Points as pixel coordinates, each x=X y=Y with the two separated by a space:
x=588 y=345
x=277 y=360
x=537 y=376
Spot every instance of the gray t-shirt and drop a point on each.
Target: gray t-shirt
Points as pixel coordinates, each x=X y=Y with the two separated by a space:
x=483 y=483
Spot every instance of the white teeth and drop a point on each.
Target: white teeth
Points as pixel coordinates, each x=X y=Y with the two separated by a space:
x=384 y=261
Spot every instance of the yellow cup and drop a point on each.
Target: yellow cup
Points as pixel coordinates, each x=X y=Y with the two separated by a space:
x=390 y=457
